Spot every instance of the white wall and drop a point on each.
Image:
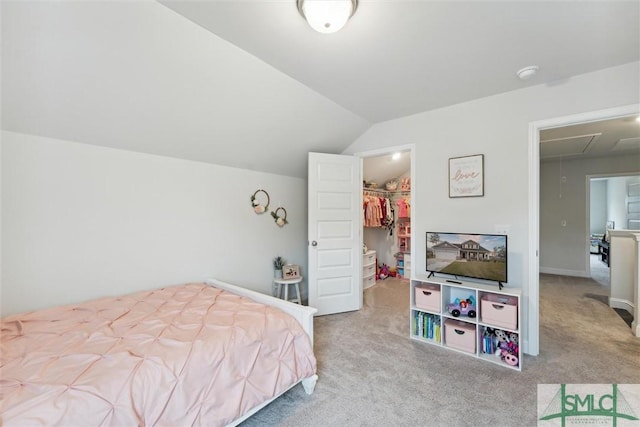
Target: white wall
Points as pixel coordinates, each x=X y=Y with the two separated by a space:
x=563 y=249
x=617 y=200
x=598 y=206
x=497 y=127
x=81 y=221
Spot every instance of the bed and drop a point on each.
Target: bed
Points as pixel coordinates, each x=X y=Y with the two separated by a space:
x=196 y=354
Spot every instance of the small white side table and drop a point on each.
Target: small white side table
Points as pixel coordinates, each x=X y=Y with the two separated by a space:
x=280 y=283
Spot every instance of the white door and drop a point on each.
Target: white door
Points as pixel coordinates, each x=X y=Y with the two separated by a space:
x=335 y=243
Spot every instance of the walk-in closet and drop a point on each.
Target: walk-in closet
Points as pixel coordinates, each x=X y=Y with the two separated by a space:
x=386 y=204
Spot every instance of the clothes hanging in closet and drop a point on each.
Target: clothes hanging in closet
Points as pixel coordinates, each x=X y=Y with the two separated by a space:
x=404 y=207
x=377 y=211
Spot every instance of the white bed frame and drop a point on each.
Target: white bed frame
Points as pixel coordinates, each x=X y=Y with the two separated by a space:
x=304 y=316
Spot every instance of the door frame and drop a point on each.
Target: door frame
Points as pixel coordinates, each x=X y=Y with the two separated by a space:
x=532 y=288
x=387 y=151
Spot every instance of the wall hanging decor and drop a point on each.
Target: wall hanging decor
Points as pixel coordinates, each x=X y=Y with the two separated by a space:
x=280 y=216
x=259 y=207
x=466 y=176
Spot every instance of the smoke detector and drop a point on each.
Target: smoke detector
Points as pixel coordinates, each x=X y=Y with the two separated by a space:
x=527 y=72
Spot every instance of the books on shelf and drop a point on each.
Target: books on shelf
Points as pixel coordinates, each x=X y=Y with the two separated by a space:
x=426 y=325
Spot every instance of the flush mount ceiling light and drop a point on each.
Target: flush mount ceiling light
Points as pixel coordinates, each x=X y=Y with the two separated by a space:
x=396 y=156
x=527 y=72
x=327 y=16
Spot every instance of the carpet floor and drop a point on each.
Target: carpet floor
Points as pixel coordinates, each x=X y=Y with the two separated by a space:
x=372 y=374
x=600 y=273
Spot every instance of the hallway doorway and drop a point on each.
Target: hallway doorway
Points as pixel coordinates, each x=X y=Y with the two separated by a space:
x=537 y=251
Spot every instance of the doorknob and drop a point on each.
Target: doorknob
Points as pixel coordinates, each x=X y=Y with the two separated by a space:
x=314 y=243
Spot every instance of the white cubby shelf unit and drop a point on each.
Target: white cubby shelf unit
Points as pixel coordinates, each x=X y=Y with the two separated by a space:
x=489 y=331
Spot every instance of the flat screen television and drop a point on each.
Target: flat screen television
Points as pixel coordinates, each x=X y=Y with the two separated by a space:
x=477 y=256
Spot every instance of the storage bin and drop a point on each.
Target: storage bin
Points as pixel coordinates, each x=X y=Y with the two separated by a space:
x=499 y=310
x=427 y=297
x=368 y=281
x=460 y=335
x=369 y=258
x=368 y=270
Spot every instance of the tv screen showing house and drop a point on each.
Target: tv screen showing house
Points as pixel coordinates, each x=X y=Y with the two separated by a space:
x=479 y=256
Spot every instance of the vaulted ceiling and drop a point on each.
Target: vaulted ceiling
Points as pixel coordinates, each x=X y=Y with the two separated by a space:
x=248 y=84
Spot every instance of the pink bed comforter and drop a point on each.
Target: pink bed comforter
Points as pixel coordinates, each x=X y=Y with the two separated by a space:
x=182 y=355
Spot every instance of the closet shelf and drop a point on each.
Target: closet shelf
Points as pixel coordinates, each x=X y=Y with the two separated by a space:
x=382 y=191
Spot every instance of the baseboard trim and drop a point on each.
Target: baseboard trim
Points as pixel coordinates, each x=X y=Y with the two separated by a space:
x=563 y=272
x=622 y=304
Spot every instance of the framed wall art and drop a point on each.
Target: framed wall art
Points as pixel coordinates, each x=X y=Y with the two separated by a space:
x=290 y=271
x=466 y=176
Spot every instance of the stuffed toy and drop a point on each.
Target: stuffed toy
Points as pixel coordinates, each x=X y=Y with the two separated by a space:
x=507 y=346
x=384 y=271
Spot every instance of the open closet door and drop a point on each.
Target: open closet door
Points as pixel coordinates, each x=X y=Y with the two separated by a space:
x=335 y=251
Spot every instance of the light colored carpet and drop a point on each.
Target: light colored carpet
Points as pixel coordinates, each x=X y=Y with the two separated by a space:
x=599 y=270
x=600 y=274
x=372 y=374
